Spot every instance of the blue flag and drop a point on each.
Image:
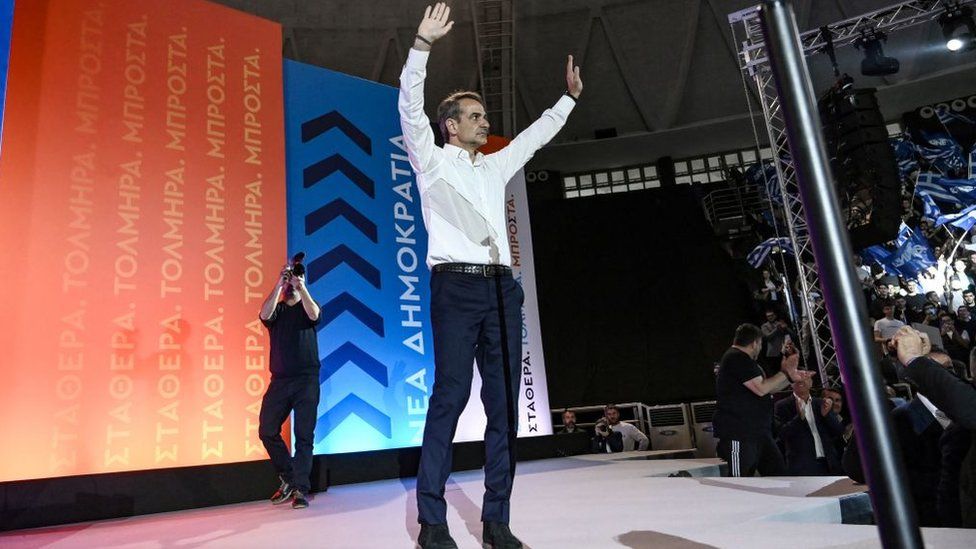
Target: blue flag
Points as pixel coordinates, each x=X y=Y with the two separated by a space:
x=948 y=116
x=759 y=254
x=942 y=152
x=913 y=256
x=972 y=162
x=764 y=175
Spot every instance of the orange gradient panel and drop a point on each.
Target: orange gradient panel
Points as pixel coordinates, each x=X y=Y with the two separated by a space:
x=142 y=221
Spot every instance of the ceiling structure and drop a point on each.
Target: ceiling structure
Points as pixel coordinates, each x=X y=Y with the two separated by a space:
x=662 y=74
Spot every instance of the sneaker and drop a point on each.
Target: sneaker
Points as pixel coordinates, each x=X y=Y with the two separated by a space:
x=283 y=494
x=299 y=502
x=496 y=535
x=435 y=536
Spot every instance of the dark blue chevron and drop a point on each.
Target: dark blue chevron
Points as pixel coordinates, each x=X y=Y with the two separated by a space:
x=338 y=163
x=339 y=207
x=317 y=126
x=347 y=303
x=348 y=352
x=350 y=405
x=324 y=264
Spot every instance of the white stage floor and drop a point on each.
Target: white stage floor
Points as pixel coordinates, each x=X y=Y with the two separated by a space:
x=613 y=501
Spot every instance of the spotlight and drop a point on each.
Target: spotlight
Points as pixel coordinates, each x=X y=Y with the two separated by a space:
x=875 y=63
x=958 y=27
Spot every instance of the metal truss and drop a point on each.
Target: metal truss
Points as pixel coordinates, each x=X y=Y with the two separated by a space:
x=494 y=35
x=816 y=341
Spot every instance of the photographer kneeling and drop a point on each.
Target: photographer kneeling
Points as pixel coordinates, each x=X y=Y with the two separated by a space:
x=612 y=435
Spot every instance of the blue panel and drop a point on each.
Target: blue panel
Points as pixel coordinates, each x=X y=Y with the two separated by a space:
x=6 y=26
x=353 y=208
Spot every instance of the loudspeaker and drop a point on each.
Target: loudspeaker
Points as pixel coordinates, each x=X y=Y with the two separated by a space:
x=863 y=164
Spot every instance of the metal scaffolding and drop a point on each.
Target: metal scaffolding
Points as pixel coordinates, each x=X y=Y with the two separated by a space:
x=494 y=35
x=817 y=342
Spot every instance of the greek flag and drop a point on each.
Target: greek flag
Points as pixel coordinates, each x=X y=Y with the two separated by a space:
x=904 y=233
x=964 y=219
x=930 y=210
x=958 y=192
x=759 y=254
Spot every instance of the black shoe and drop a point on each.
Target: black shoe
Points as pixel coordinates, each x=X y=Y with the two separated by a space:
x=435 y=536
x=299 y=502
x=284 y=493
x=496 y=535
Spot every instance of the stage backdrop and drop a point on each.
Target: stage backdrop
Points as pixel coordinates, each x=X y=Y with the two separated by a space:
x=6 y=22
x=353 y=208
x=141 y=226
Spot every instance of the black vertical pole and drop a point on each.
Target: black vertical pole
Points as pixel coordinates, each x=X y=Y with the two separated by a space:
x=894 y=512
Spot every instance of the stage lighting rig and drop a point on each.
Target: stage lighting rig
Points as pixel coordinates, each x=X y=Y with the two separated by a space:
x=875 y=62
x=958 y=27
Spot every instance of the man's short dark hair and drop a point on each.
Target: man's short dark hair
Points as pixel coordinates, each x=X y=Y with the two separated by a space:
x=746 y=334
x=609 y=407
x=450 y=108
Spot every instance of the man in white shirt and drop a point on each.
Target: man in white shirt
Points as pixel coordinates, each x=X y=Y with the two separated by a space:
x=631 y=437
x=886 y=328
x=475 y=301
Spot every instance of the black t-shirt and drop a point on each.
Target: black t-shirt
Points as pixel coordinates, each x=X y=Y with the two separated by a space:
x=915 y=302
x=294 y=342
x=740 y=414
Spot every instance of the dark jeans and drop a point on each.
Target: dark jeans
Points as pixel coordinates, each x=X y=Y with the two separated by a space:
x=747 y=457
x=300 y=394
x=466 y=327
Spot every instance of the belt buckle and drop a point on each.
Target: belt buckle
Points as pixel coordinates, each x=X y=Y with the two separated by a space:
x=484 y=271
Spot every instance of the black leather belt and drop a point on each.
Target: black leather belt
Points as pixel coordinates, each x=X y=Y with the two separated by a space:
x=488 y=271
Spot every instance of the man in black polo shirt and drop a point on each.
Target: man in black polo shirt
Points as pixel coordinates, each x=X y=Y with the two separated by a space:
x=294 y=384
x=744 y=415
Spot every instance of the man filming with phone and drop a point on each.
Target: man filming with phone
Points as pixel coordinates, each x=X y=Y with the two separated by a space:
x=290 y=314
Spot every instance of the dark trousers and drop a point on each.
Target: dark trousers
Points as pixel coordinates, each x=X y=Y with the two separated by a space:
x=747 y=457
x=467 y=328
x=300 y=394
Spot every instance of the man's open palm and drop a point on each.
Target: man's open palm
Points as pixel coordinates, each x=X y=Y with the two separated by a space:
x=436 y=22
x=574 y=85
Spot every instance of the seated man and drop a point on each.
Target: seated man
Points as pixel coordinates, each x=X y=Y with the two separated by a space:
x=611 y=429
x=569 y=424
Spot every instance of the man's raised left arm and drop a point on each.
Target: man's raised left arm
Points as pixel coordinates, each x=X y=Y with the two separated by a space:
x=523 y=147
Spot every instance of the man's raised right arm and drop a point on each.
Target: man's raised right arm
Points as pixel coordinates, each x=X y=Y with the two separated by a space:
x=417 y=134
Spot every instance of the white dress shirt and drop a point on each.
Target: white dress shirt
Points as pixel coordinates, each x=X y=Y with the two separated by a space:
x=463 y=202
x=633 y=438
x=940 y=416
x=812 y=422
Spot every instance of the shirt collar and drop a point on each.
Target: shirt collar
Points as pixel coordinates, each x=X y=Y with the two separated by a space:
x=804 y=402
x=462 y=154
